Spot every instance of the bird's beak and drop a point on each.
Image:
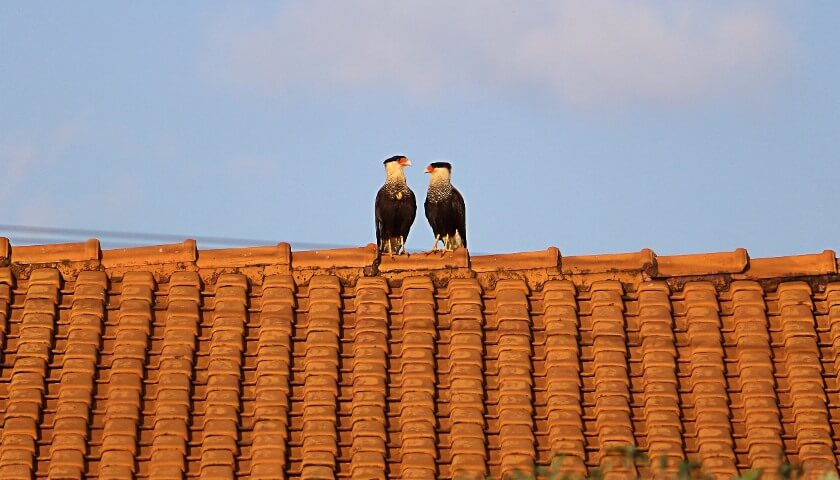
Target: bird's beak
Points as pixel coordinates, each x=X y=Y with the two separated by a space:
x=405 y=162
x=429 y=169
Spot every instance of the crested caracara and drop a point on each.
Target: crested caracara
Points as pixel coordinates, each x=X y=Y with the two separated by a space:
x=395 y=208
x=445 y=208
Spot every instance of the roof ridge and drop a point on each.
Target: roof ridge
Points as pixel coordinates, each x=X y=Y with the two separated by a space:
x=736 y=264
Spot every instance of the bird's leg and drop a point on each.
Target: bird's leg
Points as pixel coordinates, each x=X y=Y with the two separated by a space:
x=390 y=249
x=456 y=240
x=447 y=243
x=402 y=245
x=435 y=247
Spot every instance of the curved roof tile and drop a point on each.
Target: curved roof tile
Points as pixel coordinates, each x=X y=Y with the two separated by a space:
x=265 y=362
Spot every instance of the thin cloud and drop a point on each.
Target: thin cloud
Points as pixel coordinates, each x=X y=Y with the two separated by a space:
x=28 y=155
x=591 y=54
x=17 y=161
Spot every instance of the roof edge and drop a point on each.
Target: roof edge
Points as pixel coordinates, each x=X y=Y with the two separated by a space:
x=5 y=252
x=441 y=260
x=824 y=263
x=644 y=259
x=548 y=258
x=736 y=261
x=280 y=254
x=358 y=257
x=185 y=251
x=735 y=264
x=57 y=253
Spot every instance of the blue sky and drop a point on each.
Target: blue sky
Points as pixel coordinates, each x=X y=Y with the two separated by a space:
x=594 y=126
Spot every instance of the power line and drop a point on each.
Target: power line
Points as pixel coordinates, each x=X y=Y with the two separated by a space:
x=37 y=234
x=33 y=240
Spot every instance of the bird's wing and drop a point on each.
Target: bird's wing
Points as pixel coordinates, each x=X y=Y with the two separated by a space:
x=411 y=204
x=430 y=214
x=380 y=197
x=460 y=210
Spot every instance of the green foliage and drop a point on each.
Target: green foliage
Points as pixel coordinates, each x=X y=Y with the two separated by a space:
x=790 y=471
x=631 y=456
x=688 y=470
x=754 y=474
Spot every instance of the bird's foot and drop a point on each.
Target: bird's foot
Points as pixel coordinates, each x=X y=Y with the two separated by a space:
x=435 y=246
x=447 y=244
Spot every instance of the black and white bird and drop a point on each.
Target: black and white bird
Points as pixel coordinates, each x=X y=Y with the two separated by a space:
x=445 y=208
x=395 y=208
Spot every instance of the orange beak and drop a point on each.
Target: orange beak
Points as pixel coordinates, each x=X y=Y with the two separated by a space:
x=429 y=169
x=405 y=162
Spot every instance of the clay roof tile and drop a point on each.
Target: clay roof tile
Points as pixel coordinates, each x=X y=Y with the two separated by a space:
x=173 y=360
x=702 y=264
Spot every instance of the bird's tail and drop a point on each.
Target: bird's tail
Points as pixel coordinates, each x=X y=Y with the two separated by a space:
x=390 y=245
x=451 y=242
x=457 y=241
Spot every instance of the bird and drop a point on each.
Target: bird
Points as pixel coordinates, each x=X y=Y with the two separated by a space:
x=395 y=209
x=445 y=209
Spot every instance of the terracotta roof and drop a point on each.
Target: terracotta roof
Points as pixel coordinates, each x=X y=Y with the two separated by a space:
x=164 y=360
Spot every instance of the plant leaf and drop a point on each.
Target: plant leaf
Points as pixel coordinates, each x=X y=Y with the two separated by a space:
x=753 y=474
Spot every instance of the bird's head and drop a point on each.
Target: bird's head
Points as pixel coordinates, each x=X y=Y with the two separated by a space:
x=439 y=171
x=394 y=166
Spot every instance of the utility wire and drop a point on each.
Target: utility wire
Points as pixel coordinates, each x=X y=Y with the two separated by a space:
x=36 y=234
x=31 y=240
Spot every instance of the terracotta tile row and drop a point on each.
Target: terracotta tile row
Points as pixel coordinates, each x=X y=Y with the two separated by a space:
x=467 y=425
x=124 y=387
x=280 y=259
x=417 y=381
x=611 y=380
x=807 y=391
x=321 y=377
x=563 y=374
x=370 y=380
x=175 y=370
x=515 y=380
x=27 y=385
x=5 y=301
x=273 y=368
x=78 y=370
x=146 y=375
x=662 y=412
x=707 y=380
x=220 y=433
x=759 y=405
